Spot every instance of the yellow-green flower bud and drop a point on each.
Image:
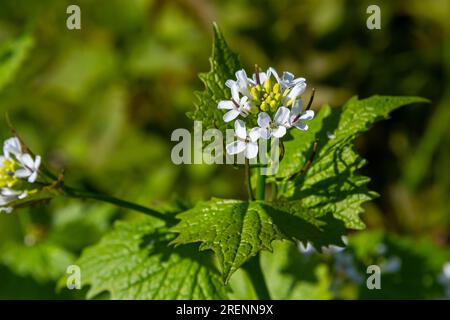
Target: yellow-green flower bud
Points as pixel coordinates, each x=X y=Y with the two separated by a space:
x=268 y=85
x=276 y=88
x=264 y=106
x=255 y=93
x=273 y=105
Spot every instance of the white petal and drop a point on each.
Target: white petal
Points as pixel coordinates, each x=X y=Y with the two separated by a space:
x=235 y=92
x=239 y=129
x=12 y=145
x=297 y=107
x=298 y=80
x=226 y=104
x=27 y=160
x=262 y=77
x=264 y=133
x=302 y=126
x=244 y=99
x=230 y=115
x=297 y=90
x=33 y=177
x=288 y=77
x=254 y=134
x=251 y=151
x=37 y=162
x=23 y=195
x=235 y=147
x=282 y=115
x=8 y=192
x=272 y=71
x=241 y=75
x=22 y=173
x=279 y=132
x=263 y=120
x=230 y=83
x=307 y=115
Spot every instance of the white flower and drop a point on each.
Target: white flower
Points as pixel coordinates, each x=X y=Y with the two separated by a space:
x=288 y=80
x=16 y=165
x=275 y=128
x=242 y=82
x=297 y=117
x=291 y=87
x=29 y=167
x=246 y=143
x=17 y=171
x=237 y=105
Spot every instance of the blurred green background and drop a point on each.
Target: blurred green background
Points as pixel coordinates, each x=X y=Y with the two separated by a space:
x=101 y=102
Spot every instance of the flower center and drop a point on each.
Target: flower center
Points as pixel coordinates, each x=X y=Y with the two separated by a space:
x=267 y=97
x=7 y=177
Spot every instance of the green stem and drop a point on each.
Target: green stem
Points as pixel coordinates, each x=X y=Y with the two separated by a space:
x=261 y=187
x=75 y=193
x=254 y=272
x=253 y=267
x=248 y=179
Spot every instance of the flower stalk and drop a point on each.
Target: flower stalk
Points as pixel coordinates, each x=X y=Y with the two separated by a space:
x=82 y=194
x=253 y=266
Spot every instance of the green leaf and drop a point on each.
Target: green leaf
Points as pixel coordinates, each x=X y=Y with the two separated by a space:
x=237 y=230
x=332 y=184
x=224 y=64
x=12 y=56
x=134 y=262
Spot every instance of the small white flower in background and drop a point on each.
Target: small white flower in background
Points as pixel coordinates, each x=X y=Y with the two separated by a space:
x=307 y=249
x=297 y=118
x=391 y=265
x=275 y=128
x=331 y=135
x=18 y=170
x=444 y=278
x=247 y=142
x=344 y=264
x=237 y=105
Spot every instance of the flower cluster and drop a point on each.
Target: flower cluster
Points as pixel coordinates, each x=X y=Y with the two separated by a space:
x=270 y=102
x=18 y=171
